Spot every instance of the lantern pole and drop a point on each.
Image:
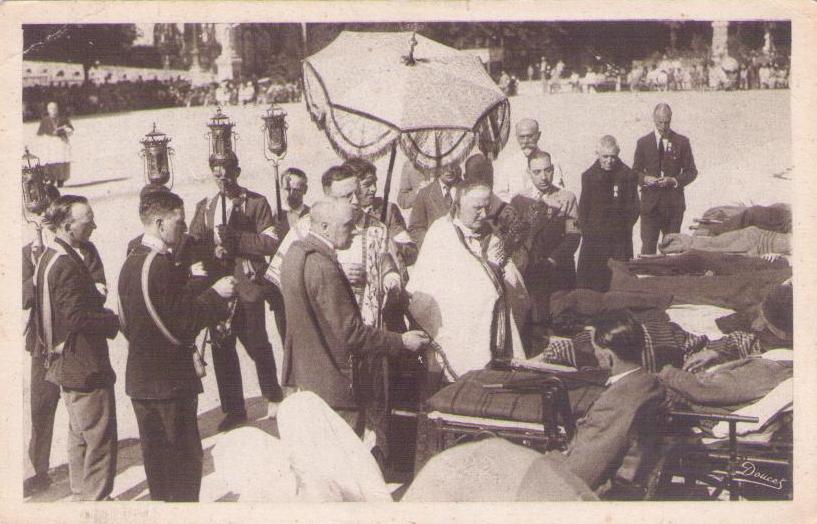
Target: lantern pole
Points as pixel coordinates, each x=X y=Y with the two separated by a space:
x=275 y=148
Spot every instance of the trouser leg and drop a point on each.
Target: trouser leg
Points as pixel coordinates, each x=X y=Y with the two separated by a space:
x=228 y=375
x=650 y=230
x=252 y=332
x=154 y=446
x=592 y=272
x=276 y=302
x=674 y=219
x=45 y=398
x=76 y=447
x=185 y=443
x=94 y=441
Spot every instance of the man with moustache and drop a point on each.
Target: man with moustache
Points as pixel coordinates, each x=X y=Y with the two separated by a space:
x=512 y=176
x=244 y=241
x=73 y=324
x=608 y=210
x=162 y=312
x=664 y=165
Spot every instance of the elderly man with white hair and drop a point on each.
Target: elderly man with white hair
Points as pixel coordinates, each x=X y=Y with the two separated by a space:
x=608 y=210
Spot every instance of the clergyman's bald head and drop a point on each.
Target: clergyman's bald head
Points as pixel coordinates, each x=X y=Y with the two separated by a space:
x=333 y=219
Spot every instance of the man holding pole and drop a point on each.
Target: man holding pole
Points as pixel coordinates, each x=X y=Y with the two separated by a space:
x=239 y=226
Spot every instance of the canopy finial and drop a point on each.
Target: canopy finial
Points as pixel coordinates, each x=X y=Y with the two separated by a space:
x=409 y=60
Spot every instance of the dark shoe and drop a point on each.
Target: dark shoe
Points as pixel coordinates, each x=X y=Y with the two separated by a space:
x=277 y=394
x=36 y=484
x=232 y=421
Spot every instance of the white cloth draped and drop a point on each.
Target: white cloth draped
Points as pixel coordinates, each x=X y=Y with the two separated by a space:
x=453 y=299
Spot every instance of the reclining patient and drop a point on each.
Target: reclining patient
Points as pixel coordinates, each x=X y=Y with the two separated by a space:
x=751 y=241
x=667 y=343
x=717 y=220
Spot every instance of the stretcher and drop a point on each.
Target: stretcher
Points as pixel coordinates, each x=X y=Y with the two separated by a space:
x=692 y=467
x=527 y=407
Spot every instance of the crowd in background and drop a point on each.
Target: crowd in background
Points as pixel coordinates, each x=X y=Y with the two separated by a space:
x=89 y=98
x=659 y=73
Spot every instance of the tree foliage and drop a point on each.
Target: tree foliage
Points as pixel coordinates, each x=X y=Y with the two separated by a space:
x=84 y=44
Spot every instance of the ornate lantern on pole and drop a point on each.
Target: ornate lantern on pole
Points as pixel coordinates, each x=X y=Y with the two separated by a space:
x=35 y=195
x=157 y=155
x=221 y=137
x=222 y=152
x=275 y=145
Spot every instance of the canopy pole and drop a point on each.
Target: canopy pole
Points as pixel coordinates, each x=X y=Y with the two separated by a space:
x=384 y=214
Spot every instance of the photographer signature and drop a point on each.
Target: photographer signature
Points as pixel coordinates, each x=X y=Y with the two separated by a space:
x=754 y=476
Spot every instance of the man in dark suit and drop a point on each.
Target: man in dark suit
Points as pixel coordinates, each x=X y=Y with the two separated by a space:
x=243 y=242
x=608 y=209
x=72 y=322
x=549 y=245
x=433 y=201
x=162 y=312
x=616 y=438
x=664 y=165
x=325 y=326
x=45 y=396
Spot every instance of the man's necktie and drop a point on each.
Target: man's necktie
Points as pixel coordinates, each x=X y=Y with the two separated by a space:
x=661 y=157
x=447 y=196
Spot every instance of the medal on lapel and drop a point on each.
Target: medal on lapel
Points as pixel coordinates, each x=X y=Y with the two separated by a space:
x=615 y=190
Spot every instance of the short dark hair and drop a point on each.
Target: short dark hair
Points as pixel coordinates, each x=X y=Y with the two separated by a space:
x=335 y=174
x=228 y=162
x=619 y=332
x=294 y=171
x=59 y=211
x=361 y=167
x=536 y=155
x=151 y=188
x=159 y=204
x=478 y=168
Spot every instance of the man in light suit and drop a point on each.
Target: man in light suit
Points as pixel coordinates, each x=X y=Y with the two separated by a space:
x=664 y=165
x=616 y=439
x=433 y=201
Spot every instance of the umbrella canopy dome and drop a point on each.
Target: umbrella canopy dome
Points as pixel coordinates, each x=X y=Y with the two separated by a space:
x=365 y=73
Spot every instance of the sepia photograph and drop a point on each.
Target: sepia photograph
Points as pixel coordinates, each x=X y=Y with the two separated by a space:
x=409 y=260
